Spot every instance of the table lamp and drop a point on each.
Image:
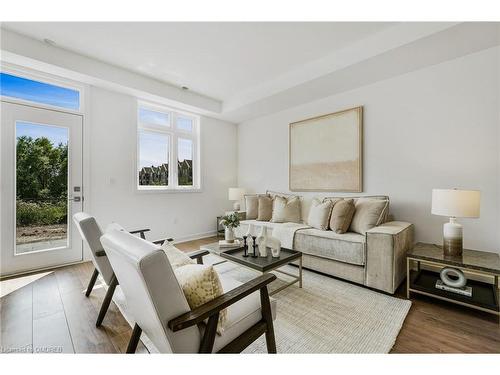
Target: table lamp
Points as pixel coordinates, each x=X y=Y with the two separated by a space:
x=454 y=203
x=236 y=194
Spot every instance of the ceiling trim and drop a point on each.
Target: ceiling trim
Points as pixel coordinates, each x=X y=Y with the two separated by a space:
x=451 y=43
x=376 y=44
x=22 y=50
x=398 y=50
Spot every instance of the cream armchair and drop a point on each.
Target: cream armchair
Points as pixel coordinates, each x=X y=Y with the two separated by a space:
x=91 y=232
x=160 y=310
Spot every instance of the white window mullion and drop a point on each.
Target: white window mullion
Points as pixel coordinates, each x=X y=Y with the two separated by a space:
x=174 y=161
x=195 y=162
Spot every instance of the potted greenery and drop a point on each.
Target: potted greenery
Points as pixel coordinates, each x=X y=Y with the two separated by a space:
x=230 y=221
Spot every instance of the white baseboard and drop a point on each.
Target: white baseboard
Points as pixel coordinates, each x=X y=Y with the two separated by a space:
x=196 y=236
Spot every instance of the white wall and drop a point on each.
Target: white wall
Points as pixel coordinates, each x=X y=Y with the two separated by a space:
x=113 y=194
x=433 y=128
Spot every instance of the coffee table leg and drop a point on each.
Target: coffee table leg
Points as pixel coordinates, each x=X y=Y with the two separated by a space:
x=300 y=272
x=498 y=296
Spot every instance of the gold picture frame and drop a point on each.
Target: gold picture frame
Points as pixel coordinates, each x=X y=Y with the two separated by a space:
x=325 y=153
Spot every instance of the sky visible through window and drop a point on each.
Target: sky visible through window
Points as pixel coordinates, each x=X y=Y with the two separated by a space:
x=55 y=134
x=185 y=149
x=39 y=92
x=154 y=147
x=153 y=117
x=184 y=123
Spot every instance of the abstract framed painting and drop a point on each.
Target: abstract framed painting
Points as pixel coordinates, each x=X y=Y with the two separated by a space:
x=326 y=152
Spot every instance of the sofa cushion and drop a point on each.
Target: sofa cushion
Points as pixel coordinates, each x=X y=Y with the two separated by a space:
x=369 y=213
x=265 y=210
x=341 y=216
x=304 y=208
x=286 y=210
x=347 y=247
x=319 y=214
x=252 y=206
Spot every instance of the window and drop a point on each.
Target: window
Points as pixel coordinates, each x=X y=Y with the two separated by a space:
x=39 y=92
x=167 y=149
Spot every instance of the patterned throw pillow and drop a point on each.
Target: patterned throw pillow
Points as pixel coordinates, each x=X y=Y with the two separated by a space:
x=176 y=257
x=201 y=284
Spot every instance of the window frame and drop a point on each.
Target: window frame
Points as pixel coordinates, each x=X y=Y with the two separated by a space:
x=174 y=134
x=49 y=79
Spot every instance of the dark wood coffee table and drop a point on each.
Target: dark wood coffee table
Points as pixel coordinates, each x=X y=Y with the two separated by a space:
x=485 y=295
x=260 y=264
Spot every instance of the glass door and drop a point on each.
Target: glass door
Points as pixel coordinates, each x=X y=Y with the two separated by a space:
x=41 y=169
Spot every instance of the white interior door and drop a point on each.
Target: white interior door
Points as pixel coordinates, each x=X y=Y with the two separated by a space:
x=41 y=187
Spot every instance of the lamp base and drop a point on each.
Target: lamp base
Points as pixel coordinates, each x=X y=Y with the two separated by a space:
x=452 y=238
x=452 y=247
x=236 y=206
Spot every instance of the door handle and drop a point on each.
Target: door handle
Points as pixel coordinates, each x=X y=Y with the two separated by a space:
x=75 y=199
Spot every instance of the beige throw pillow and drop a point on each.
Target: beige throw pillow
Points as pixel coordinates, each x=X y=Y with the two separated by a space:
x=201 y=284
x=369 y=213
x=319 y=214
x=252 y=206
x=286 y=210
x=265 y=208
x=176 y=257
x=342 y=213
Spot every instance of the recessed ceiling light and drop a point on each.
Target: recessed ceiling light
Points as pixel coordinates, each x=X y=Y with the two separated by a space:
x=50 y=42
x=184 y=87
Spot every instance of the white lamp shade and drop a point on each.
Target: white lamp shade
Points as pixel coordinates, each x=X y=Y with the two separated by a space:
x=456 y=203
x=236 y=194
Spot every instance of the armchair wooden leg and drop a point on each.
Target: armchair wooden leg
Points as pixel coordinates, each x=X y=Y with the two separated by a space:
x=267 y=316
x=107 y=301
x=199 y=260
x=134 y=339
x=207 y=342
x=92 y=281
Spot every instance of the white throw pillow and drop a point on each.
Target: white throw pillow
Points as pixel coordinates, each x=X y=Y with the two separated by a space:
x=319 y=214
x=286 y=210
x=176 y=257
x=201 y=284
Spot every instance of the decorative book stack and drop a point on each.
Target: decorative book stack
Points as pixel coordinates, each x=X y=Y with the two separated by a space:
x=235 y=243
x=464 y=291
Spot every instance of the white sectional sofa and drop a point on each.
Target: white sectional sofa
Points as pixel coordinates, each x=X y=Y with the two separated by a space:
x=375 y=259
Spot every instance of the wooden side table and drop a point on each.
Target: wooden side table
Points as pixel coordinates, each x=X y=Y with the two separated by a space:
x=485 y=296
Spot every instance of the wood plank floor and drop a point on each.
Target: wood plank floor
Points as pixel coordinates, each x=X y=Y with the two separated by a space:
x=52 y=314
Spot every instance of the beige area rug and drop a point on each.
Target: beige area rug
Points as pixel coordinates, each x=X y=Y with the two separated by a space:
x=325 y=316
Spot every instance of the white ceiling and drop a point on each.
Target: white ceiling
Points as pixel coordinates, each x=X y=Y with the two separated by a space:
x=218 y=60
x=238 y=71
